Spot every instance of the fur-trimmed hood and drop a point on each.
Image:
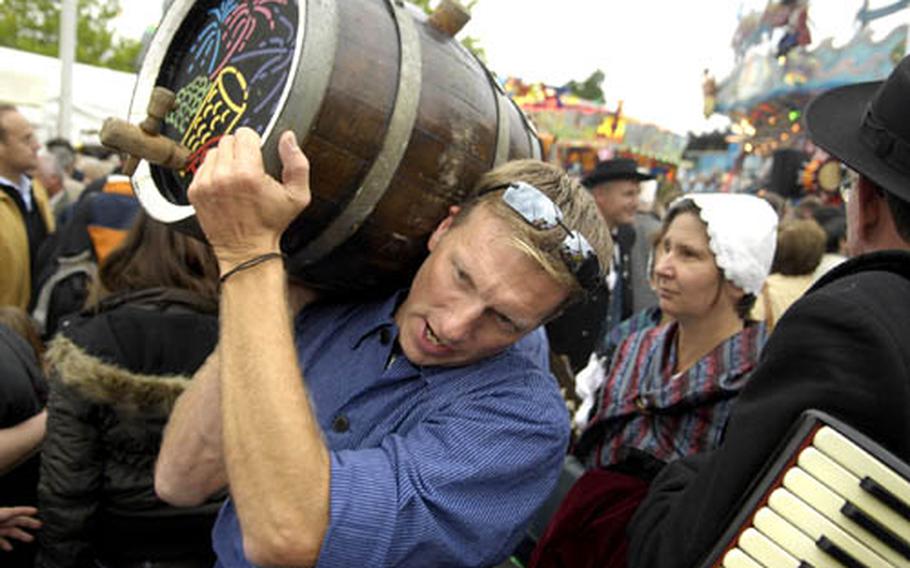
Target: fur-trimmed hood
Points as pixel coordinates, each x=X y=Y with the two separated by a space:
x=105 y=383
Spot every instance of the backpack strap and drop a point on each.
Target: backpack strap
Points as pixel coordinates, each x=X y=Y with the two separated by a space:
x=82 y=263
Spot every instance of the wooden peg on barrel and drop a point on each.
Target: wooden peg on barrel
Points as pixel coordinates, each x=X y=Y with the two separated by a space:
x=450 y=17
x=145 y=142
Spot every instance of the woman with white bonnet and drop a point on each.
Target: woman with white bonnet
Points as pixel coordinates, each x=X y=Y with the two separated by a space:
x=669 y=389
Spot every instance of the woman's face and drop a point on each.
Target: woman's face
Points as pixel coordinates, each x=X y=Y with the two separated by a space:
x=690 y=286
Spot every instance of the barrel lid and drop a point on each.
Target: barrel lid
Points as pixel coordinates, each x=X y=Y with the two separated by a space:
x=231 y=64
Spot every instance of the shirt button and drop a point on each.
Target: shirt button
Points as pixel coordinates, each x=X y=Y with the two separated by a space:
x=341 y=424
x=641 y=403
x=385 y=336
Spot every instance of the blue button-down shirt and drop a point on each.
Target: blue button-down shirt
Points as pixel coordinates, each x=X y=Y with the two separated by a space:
x=430 y=466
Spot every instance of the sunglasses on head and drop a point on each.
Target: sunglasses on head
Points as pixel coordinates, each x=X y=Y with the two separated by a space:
x=543 y=214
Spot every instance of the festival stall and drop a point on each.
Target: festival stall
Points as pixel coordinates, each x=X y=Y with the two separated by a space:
x=577 y=133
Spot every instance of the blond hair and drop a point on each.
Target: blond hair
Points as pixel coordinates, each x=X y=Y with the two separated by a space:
x=580 y=214
x=800 y=247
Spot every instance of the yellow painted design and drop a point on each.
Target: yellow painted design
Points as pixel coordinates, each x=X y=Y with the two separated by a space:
x=218 y=114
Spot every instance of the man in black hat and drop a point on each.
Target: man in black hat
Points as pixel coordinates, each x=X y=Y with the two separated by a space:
x=841 y=349
x=615 y=186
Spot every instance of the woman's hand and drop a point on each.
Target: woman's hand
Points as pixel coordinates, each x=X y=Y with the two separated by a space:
x=242 y=210
x=13 y=521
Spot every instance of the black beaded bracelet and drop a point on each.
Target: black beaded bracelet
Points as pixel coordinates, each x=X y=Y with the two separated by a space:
x=256 y=260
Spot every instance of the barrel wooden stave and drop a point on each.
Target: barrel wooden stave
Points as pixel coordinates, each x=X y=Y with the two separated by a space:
x=354 y=118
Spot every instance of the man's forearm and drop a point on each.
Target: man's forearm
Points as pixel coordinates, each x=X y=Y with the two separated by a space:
x=277 y=462
x=190 y=464
x=22 y=440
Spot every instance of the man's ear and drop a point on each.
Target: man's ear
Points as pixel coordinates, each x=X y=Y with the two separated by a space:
x=870 y=207
x=443 y=227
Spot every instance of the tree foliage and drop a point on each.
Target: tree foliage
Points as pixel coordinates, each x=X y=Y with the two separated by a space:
x=589 y=89
x=34 y=25
x=471 y=43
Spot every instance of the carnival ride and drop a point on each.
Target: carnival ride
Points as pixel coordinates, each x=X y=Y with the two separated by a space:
x=777 y=75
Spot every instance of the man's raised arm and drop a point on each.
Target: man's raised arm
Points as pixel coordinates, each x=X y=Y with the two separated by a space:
x=276 y=463
x=190 y=464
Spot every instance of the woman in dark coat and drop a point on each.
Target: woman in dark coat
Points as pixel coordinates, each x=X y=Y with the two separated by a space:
x=116 y=370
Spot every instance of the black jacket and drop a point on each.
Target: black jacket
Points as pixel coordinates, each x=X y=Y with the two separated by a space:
x=115 y=377
x=583 y=327
x=843 y=349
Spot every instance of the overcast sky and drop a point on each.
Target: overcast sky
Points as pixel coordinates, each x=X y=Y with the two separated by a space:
x=652 y=51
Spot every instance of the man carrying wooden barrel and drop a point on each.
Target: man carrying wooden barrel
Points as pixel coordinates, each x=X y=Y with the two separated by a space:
x=414 y=431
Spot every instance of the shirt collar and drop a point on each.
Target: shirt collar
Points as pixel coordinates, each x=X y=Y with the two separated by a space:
x=382 y=316
x=24 y=187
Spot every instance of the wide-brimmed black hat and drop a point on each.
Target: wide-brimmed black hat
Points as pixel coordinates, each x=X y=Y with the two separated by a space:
x=867 y=127
x=611 y=170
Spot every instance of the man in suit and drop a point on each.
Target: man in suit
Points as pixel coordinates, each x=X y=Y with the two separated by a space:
x=25 y=215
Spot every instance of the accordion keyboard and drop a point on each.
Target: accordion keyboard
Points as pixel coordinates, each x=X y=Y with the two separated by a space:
x=834 y=503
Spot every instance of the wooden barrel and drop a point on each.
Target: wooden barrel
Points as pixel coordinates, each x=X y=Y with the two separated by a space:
x=397 y=118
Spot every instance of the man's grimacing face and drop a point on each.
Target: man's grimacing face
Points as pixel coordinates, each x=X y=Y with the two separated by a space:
x=475 y=295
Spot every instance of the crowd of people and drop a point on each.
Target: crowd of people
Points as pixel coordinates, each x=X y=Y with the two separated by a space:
x=567 y=357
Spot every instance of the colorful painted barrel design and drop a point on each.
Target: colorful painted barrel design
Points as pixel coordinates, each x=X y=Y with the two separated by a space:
x=397 y=118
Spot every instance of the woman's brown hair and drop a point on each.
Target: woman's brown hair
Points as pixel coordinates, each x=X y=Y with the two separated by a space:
x=153 y=255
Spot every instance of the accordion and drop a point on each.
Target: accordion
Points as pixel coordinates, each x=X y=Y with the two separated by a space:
x=831 y=497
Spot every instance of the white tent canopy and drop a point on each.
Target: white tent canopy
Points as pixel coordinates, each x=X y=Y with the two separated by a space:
x=32 y=82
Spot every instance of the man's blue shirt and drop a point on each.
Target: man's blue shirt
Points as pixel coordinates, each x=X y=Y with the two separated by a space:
x=430 y=466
